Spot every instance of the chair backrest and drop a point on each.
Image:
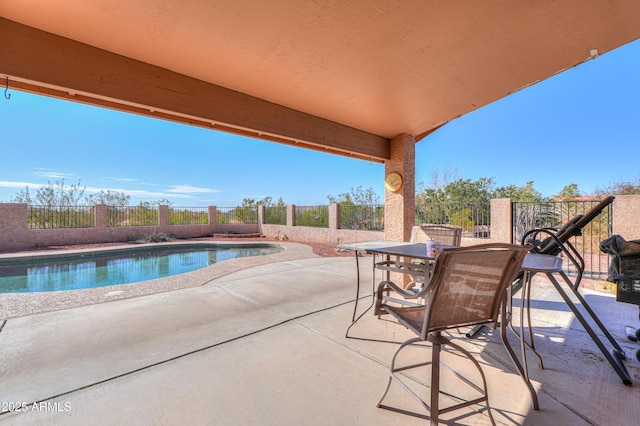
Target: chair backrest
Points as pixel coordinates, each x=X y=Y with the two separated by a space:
x=449 y=235
x=468 y=285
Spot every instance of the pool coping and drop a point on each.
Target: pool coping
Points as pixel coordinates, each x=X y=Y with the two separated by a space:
x=21 y=304
x=125 y=248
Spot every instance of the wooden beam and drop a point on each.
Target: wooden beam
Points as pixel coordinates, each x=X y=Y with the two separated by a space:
x=47 y=64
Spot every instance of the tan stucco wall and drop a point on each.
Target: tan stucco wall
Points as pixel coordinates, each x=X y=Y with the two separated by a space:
x=15 y=235
x=626 y=216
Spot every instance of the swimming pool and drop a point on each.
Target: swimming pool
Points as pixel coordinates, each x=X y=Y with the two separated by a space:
x=114 y=267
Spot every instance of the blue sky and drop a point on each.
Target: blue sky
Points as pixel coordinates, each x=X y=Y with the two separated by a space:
x=581 y=126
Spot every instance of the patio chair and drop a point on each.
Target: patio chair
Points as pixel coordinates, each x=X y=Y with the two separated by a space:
x=552 y=242
x=467 y=287
x=449 y=235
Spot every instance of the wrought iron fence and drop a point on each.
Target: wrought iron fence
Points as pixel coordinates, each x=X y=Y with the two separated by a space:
x=54 y=217
x=132 y=216
x=275 y=215
x=552 y=214
x=361 y=217
x=316 y=216
x=237 y=215
x=473 y=218
x=188 y=216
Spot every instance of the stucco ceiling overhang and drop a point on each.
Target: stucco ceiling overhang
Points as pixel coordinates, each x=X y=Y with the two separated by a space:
x=342 y=76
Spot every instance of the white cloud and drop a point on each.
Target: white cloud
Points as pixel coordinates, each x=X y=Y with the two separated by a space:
x=51 y=174
x=9 y=184
x=174 y=192
x=130 y=180
x=188 y=189
x=139 y=193
x=117 y=179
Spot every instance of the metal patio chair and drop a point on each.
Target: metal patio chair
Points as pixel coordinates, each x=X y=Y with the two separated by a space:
x=467 y=288
x=448 y=235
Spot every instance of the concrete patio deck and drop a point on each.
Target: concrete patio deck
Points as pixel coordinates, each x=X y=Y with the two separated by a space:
x=265 y=345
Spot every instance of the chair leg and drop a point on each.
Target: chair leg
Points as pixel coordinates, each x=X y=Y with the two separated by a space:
x=435 y=382
x=525 y=303
x=437 y=340
x=514 y=359
x=524 y=285
x=485 y=396
x=393 y=370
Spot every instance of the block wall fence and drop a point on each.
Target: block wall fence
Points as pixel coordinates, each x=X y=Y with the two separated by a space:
x=15 y=234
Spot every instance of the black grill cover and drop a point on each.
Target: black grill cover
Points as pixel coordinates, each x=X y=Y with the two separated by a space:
x=625 y=258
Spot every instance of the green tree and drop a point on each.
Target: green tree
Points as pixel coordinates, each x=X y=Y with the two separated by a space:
x=248 y=211
x=275 y=213
x=221 y=217
x=110 y=198
x=62 y=195
x=430 y=195
x=358 y=196
x=54 y=194
x=461 y=202
x=359 y=209
x=435 y=192
x=526 y=193
x=569 y=192
x=317 y=216
x=144 y=214
x=266 y=201
x=530 y=212
x=466 y=190
x=465 y=202
x=460 y=190
x=619 y=188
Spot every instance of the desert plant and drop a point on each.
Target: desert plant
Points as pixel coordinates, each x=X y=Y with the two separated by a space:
x=157 y=237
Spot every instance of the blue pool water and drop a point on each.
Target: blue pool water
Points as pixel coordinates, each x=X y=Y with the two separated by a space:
x=113 y=268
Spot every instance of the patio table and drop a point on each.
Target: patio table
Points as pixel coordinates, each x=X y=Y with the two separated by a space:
x=386 y=248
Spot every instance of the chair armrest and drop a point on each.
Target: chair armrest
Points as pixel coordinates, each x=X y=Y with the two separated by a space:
x=390 y=285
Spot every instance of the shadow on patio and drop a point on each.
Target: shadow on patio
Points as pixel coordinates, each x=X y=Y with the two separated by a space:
x=266 y=345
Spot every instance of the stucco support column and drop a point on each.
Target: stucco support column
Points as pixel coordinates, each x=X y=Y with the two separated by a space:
x=400 y=206
x=502 y=221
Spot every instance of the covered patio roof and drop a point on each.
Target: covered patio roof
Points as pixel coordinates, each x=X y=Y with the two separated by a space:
x=344 y=77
